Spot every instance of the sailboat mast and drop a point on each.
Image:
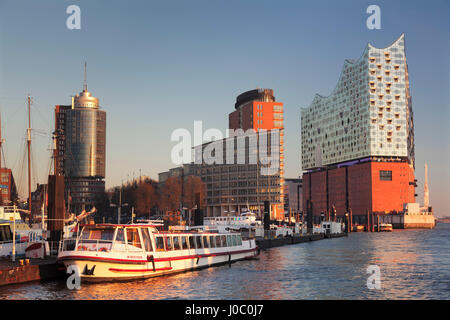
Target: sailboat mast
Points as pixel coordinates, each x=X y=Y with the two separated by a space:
x=1 y=140
x=29 y=157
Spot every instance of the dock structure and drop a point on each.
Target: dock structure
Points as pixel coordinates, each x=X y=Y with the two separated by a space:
x=266 y=243
x=35 y=270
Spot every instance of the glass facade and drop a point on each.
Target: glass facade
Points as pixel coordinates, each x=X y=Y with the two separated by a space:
x=84 y=150
x=85 y=143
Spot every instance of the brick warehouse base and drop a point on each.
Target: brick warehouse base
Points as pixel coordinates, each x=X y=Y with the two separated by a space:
x=373 y=186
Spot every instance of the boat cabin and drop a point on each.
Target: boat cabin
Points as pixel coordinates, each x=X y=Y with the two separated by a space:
x=129 y=238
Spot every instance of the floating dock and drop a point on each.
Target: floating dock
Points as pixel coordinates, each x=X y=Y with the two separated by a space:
x=267 y=243
x=36 y=270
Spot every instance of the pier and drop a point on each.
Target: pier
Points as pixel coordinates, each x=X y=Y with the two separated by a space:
x=27 y=270
x=267 y=243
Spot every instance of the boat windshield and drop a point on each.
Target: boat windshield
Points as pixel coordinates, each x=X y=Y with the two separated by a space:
x=97 y=233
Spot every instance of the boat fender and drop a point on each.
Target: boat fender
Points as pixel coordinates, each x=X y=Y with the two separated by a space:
x=81 y=248
x=151 y=259
x=103 y=249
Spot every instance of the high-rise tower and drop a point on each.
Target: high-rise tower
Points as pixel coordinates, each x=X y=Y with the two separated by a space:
x=81 y=148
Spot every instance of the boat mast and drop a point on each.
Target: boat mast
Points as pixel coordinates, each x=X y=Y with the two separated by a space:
x=1 y=140
x=29 y=157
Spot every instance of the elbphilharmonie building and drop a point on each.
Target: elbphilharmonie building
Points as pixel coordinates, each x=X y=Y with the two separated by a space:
x=358 y=142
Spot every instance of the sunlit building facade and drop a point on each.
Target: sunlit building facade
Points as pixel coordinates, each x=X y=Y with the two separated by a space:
x=358 y=142
x=81 y=149
x=241 y=181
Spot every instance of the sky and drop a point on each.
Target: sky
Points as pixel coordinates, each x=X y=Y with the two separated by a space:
x=157 y=66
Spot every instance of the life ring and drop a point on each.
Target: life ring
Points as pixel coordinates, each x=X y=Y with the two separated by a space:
x=103 y=249
x=81 y=248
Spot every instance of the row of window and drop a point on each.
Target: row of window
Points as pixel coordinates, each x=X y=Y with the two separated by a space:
x=168 y=243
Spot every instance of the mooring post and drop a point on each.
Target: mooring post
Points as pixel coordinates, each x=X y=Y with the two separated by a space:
x=368 y=221
x=351 y=220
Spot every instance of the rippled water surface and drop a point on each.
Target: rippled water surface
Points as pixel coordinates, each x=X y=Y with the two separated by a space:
x=414 y=264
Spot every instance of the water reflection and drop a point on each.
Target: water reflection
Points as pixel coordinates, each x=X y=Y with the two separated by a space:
x=414 y=264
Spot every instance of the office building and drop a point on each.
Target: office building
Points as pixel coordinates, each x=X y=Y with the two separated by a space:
x=80 y=131
x=240 y=180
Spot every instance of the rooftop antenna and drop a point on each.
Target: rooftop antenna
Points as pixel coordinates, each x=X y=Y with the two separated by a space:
x=85 y=77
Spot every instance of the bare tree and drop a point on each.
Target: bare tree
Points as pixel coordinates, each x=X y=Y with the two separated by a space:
x=193 y=186
x=145 y=197
x=170 y=194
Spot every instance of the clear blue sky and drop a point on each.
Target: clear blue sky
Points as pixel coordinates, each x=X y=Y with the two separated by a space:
x=160 y=65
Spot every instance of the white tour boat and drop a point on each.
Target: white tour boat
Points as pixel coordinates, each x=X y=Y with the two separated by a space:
x=106 y=252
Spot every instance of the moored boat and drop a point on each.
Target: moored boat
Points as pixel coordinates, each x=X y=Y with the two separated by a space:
x=358 y=228
x=108 y=252
x=383 y=227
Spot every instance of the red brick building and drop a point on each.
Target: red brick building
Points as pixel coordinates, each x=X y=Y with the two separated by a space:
x=368 y=185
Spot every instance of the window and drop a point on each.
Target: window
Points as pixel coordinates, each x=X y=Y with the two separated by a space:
x=169 y=245
x=229 y=243
x=146 y=239
x=184 y=243
x=205 y=242
x=385 y=175
x=234 y=240
x=239 y=240
x=218 y=243
x=176 y=243
x=224 y=240
x=159 y=243
x=191 y=242
x=133 y=237
x=120 y=236
x=212 y=242
x=199 y=242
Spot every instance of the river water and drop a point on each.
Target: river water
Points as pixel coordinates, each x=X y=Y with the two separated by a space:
x=413 y=264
